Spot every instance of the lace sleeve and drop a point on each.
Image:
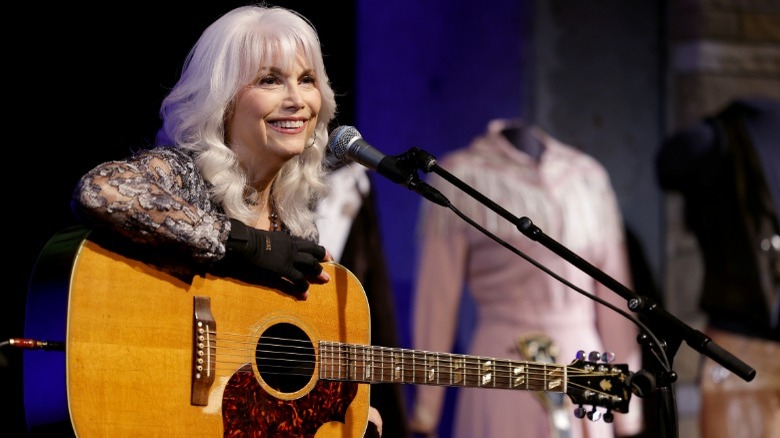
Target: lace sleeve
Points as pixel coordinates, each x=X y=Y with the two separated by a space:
x=158 y=198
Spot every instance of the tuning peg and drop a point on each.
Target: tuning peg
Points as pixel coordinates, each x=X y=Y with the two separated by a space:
x=608 y=357
x=609 y=417
x=580 y=355
x=579 y=412
x=594 y=415
x=594 y=356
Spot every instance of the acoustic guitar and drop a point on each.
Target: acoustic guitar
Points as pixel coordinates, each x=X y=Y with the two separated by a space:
x=147 y=354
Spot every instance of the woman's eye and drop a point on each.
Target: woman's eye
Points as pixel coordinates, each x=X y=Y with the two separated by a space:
x=308 y=79
x=268 y=80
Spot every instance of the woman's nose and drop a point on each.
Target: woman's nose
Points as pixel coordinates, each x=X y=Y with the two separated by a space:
x=294 y=97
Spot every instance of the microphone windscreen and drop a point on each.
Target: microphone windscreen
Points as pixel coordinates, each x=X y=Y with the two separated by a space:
x=340 y=139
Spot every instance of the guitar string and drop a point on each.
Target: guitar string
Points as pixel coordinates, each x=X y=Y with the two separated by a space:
x=414 y=354
x=530 y=385
x=473 y=367
x=292 y=357
x=306 y=344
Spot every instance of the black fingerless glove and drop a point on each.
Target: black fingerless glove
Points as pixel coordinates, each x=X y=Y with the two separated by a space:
x=276 y=253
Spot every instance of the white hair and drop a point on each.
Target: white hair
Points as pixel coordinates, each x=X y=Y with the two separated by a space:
x=226 y=57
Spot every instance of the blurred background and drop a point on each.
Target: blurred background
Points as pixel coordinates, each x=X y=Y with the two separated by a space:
x=613 y=78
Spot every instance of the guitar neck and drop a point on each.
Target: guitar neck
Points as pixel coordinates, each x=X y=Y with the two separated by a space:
x=371 y=364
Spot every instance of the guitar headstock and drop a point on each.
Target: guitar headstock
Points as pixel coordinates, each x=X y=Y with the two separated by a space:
x=597 y=382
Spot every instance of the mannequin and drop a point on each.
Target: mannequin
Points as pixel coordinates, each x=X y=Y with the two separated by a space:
x=520 y=134
x=568 y=195
x=726 y=167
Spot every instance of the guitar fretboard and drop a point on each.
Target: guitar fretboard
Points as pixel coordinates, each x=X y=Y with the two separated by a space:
x=371 y=364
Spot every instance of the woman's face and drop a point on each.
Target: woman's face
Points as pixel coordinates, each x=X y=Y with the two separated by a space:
x=274 y=118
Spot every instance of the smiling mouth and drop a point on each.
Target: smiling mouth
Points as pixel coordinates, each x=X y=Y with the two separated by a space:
x=288 y=124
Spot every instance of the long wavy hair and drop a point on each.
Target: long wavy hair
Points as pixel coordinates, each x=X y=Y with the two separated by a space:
x=226 y=57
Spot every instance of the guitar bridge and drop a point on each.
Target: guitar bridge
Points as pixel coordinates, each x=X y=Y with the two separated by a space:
x=204 y=351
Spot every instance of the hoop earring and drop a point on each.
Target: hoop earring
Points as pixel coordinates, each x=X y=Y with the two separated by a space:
x=312 y=141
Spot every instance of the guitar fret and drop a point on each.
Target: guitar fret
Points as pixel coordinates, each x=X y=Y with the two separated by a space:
x=420 y=362
x=356 y=361
x=342 y=361
x=454 y=364
x=337 y=362
x=471 y=372
x=377 y=363
x=323 y=363
x=431 y=368
x=390 y=364
x=334 y=362
x=418 y=367
x=486 y=371
x=499 y=374
x=413 y=366
x=400 y=367
x=385 y=354
x=411 y=370
x=368 y=360
x=362 y=368
x=391 y=369
x=340 y=364
x=393 y=366
x=519 y=375
x=352 y=362
x=510 y=375
x=448 y=364
x=360 y=364
x=557 y=382
x=427 y=372
x=366 y=365
x=459 y=370
x=380 y=351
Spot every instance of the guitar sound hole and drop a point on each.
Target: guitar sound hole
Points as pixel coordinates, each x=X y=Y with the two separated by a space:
x=285 y=357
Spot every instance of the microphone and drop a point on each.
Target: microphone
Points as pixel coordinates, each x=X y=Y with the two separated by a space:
x=345 y=142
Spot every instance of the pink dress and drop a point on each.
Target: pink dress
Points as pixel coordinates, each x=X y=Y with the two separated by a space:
x=568 y=195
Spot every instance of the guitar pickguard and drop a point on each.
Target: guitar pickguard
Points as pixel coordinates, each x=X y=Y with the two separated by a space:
x=249 y=410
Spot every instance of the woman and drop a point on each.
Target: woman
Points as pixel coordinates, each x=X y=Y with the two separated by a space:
x=247 y=123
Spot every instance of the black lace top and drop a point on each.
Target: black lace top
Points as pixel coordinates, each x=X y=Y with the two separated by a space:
x=157 y=198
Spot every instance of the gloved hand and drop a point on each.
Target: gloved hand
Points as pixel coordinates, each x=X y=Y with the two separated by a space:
x=277 y=256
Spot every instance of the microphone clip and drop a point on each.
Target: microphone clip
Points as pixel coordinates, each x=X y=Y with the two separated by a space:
x=417 y=159
x=409 y=163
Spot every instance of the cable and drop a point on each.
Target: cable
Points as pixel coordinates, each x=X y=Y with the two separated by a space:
x=665 y=359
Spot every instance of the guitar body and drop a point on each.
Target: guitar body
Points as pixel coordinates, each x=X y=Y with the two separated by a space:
x=136 y=363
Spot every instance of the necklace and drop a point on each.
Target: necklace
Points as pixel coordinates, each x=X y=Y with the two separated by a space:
x=274 y=217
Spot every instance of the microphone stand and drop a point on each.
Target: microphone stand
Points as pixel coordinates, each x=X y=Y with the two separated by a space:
x=668 y=329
